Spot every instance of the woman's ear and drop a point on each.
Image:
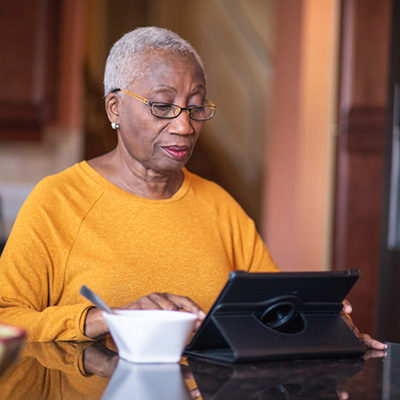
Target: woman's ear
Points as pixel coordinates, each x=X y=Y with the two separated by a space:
x=112 y=102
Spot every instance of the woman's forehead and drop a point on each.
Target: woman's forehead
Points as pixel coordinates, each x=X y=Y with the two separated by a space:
x=164 y=67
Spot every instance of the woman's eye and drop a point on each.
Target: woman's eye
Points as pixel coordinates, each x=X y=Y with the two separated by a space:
x=162 y=106
x=162 y=109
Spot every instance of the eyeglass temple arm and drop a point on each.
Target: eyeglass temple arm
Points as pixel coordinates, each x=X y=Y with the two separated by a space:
x=136 y=96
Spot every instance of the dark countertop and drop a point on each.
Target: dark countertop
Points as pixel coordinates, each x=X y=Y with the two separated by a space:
x=54 y=370
x=353 y=378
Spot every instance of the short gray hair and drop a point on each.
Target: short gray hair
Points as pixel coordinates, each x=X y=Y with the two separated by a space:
x=128 y=50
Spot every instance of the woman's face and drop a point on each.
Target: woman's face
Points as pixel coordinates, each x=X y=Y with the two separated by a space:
x=161 y=145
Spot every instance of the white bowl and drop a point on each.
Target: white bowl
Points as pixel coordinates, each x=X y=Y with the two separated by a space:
x=146 y=382
x=150 y=336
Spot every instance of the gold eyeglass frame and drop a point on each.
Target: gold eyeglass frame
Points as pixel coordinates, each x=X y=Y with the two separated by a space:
x=150 y=103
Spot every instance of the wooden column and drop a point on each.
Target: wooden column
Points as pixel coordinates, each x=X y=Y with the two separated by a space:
x=360 y=148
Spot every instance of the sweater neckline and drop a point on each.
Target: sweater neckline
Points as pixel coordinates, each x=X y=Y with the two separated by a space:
x=102 y=181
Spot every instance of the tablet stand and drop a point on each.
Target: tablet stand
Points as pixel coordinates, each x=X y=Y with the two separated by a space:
x=271 y=316
x=284 y=324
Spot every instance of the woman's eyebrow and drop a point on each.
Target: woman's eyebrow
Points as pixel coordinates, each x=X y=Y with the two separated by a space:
x=164 y=87
x=198 y=88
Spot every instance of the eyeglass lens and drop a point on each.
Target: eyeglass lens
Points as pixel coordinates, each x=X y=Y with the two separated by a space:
x=164 y=110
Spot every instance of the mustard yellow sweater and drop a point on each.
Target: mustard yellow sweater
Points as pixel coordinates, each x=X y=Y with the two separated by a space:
x=78 y=228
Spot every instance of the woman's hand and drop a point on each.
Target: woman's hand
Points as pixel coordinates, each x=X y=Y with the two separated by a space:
x=99 y=360
x=167 y=301
x=369 y=342
x=96 y=326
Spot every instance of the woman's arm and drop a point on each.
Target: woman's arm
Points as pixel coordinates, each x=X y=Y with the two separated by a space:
x=32 y=269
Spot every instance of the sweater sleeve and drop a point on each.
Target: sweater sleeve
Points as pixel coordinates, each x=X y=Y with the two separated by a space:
x=32 y=272
x=250 y=252
x=261 y=258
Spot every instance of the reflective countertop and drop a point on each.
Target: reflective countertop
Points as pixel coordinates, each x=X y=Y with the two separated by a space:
x=63 y=370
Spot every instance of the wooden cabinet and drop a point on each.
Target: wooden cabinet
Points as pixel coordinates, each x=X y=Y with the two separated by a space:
x=29 y=32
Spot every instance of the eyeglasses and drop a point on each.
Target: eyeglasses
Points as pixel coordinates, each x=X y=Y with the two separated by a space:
x=169 y=111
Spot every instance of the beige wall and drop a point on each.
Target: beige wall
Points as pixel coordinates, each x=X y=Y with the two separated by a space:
x=300 y=145
x=235 y=39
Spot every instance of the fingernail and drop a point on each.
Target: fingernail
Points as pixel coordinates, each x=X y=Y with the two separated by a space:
x=202 y=314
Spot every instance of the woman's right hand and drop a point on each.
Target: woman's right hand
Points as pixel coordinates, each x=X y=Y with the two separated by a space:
x=96 y=326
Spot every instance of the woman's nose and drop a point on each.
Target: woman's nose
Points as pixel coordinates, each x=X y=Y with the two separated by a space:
x=182 y=124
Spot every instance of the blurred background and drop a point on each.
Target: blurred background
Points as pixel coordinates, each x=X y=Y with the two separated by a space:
x=305 y=131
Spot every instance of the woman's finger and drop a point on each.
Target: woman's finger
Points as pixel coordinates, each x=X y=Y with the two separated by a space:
x=144 y=303
x=195 y=394
x=342 y=395
x=186 y=304
x=367 y=340
x=167 y=301
x=347 y=308
x=349 y=322
x=372 y=343
x=163 y=302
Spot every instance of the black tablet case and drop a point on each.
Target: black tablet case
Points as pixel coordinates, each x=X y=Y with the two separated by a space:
x=272 y=316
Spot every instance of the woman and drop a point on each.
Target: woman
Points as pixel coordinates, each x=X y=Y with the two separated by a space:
x=132 y=224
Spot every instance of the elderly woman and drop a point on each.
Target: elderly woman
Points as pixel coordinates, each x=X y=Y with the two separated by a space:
x=132 y=224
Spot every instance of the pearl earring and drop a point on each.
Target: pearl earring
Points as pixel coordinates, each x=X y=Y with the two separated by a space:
x=115 y=125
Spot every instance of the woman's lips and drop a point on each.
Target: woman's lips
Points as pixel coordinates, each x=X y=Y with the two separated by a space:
x=177 y=152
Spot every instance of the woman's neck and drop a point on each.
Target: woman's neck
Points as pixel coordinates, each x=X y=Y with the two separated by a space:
x=136 y=179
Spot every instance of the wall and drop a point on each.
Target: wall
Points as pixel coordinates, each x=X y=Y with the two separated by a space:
x=300 y=135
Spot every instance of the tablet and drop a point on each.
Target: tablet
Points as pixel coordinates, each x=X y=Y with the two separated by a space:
x=271 y=316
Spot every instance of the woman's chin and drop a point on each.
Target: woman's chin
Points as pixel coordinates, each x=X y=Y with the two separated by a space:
x=170 y=167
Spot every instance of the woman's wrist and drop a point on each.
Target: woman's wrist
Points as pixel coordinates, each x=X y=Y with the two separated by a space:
x=95 y=325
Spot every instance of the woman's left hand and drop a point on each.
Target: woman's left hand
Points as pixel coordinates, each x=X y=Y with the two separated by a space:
x=369 y=342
